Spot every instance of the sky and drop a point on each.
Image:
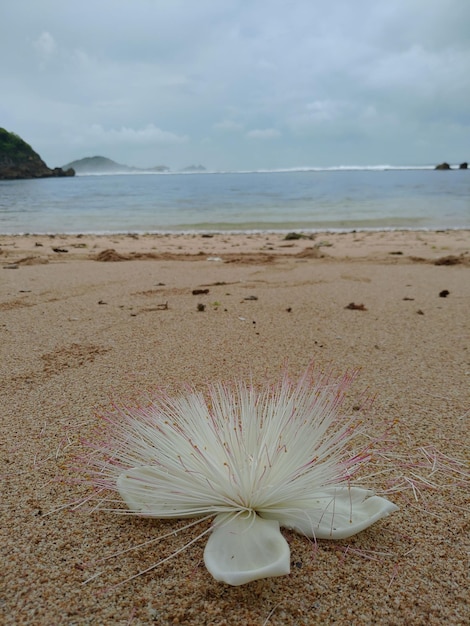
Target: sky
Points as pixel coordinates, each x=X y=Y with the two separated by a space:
x=238 y=84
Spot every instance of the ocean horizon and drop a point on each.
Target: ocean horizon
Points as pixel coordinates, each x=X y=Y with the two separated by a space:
x=279 y=170
x=309 y=199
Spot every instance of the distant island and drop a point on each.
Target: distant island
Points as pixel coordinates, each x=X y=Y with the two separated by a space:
x=194 y=168
x=18 y=160
x=102 y=165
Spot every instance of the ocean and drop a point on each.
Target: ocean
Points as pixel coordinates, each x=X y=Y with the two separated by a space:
x=308 y=199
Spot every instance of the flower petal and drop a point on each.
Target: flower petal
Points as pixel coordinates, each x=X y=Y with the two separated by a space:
x=335 y=513
x=244 y=547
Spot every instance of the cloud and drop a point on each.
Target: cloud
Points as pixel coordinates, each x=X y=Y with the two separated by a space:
x=45 y=47
x=148 y=135
x=228 y=126
x=325 y=110
x=263 y=133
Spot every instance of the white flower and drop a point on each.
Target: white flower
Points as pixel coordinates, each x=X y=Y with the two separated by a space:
x=256 y=460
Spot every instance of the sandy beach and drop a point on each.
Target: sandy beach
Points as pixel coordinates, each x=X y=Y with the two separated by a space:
x=89 y=320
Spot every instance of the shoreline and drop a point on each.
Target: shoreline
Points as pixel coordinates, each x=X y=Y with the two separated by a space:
x=384 y=245
x=304 y=232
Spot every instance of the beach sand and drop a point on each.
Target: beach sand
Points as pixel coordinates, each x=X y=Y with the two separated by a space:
x=89 y=320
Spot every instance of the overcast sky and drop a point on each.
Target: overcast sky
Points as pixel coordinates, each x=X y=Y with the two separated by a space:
x=238 y=84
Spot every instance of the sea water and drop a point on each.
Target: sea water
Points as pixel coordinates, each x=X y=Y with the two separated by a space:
x=310 y=200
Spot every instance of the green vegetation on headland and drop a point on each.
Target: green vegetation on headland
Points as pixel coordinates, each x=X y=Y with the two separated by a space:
x=19 y=160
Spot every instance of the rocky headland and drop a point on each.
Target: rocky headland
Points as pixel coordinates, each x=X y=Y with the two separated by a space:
x=18 y=160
